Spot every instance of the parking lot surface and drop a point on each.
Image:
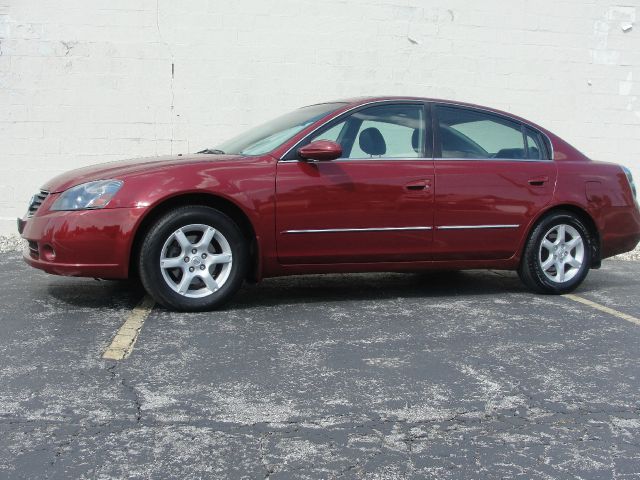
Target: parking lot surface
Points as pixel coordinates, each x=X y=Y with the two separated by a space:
x=436 y=375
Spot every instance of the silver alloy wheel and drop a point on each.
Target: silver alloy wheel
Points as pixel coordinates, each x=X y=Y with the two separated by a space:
x=561 y=253
x=196 y=260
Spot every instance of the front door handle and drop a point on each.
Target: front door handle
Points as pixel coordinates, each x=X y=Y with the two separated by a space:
x=538 y=181
x=418 y=185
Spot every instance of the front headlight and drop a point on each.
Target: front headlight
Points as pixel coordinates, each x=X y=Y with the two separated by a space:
x=90 y=195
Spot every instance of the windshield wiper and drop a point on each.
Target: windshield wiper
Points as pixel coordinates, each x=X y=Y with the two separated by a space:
x=212 y=151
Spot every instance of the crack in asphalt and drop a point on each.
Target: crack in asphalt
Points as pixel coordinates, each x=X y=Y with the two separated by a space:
x=261 y=448
x=131 y=390
x=136 y=399
x=380 y=428
x=544 y=418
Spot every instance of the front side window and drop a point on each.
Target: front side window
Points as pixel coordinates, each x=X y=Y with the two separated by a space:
x=466 y=133
x=386 y=131
x=271 y=135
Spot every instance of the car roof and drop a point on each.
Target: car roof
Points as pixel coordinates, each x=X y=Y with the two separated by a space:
x=354 y=101
x=357 y=101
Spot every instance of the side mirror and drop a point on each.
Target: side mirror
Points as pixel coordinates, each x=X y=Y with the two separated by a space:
x=321 y=150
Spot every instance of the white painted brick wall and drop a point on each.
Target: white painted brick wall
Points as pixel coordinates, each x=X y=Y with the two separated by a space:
x=85 y=81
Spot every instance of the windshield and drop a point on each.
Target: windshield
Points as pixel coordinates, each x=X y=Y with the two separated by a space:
x=269 y=136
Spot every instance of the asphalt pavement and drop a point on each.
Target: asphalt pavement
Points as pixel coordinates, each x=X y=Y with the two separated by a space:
x=436 y=375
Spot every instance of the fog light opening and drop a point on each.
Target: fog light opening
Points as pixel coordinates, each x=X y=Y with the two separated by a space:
x=48 y=253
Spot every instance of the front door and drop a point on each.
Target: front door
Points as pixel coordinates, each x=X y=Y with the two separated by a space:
x=375 y=204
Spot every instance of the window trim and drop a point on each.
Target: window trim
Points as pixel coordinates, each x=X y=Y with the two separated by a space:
x=437 y=150
x=427 y=125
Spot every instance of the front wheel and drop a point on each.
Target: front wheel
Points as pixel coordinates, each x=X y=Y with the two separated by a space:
x=193 y=259
x=557 y=255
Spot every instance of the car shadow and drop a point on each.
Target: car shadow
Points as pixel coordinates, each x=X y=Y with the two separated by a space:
x=375 y=286
x=90 y=293
x=302 y=289
x=310 y=289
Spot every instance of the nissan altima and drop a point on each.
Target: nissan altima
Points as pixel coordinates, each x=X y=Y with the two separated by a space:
x=368 y=184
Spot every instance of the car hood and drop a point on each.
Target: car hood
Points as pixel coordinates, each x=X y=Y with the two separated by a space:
x=124 y=168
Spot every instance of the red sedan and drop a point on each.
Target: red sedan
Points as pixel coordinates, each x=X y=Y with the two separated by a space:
x=371 y=184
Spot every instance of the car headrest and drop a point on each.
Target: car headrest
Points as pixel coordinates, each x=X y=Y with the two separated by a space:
x=415 y=137
x=515 y=153
x=372 y=142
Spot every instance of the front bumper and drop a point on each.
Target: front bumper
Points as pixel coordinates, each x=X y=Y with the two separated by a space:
x=86 y=243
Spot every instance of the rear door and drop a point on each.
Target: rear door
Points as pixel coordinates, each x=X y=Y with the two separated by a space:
x=492 y=175
x=375 y=204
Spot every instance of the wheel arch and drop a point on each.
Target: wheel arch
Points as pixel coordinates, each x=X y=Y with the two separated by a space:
x=581 y=213
x=224 y=205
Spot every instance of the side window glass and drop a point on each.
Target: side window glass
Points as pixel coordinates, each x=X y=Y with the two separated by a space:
x=332 y=134
x=534 y=145
x=468 y=133
x=388 y=131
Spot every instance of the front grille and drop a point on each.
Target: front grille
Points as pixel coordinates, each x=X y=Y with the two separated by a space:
x=36 y=201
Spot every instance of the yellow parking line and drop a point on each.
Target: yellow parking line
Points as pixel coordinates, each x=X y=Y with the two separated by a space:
x=602 y=308
x=122 y=344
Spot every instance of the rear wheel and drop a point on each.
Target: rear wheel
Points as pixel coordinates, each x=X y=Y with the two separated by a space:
x=557 y=256
x=193 y=259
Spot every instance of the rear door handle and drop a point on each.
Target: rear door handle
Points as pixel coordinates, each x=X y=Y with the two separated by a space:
x=538 y=181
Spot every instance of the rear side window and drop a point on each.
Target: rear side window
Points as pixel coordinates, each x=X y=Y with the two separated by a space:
x=466 y=133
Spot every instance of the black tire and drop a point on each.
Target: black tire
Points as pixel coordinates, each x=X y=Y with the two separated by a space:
x=531 y=269
x=151 y=273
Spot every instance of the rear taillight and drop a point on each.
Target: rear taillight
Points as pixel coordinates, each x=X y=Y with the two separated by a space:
x=627 y=172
